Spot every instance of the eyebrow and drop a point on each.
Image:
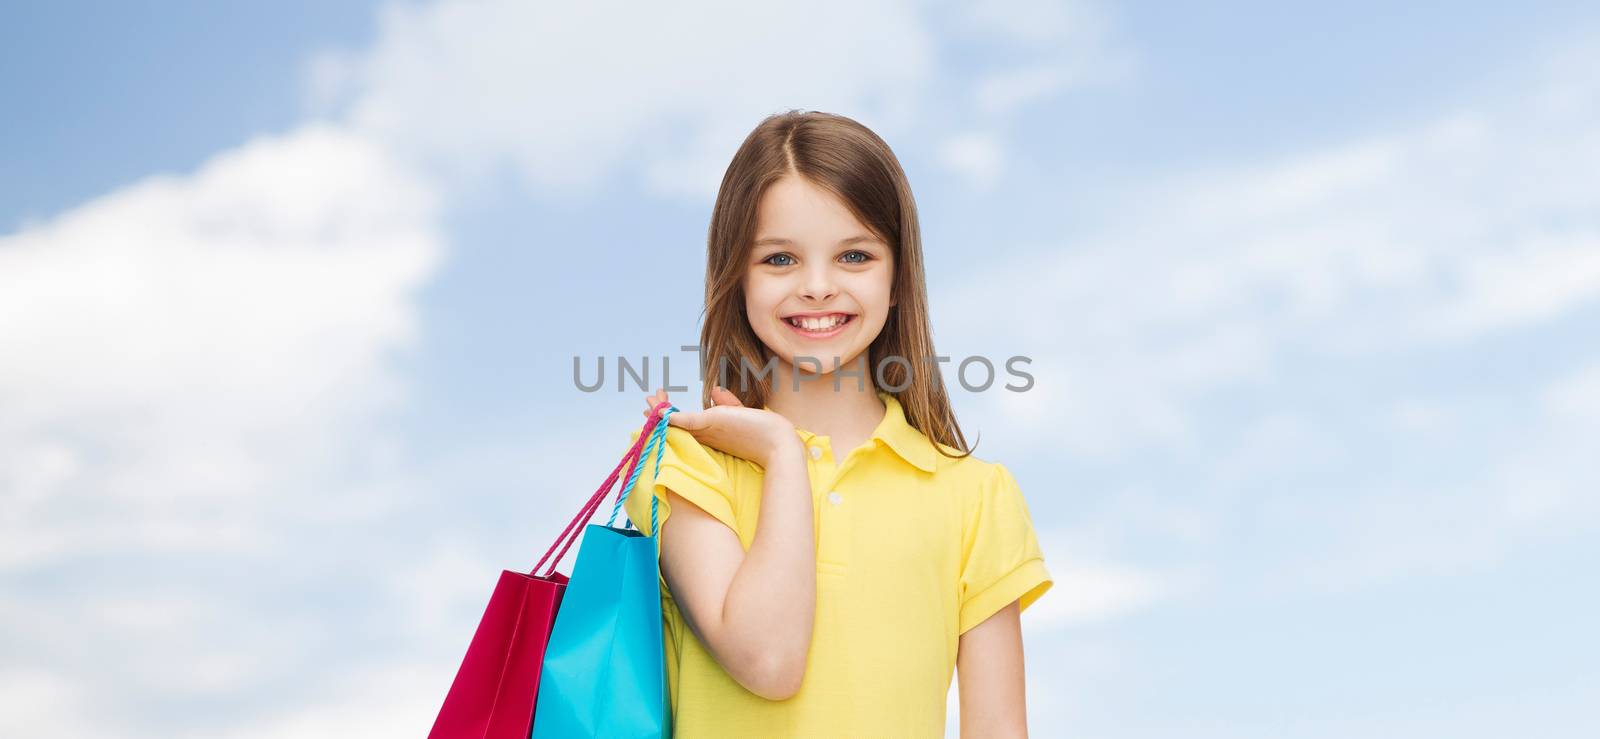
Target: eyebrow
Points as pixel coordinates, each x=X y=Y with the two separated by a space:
x=777 y=241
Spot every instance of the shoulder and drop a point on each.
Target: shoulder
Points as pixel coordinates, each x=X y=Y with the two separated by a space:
x=971 y=473
x=681 y=441
x=683 y=449
x=949 y=460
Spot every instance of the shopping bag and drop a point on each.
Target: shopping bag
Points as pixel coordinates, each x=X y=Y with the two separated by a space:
x=604 y=668
x=495 y=689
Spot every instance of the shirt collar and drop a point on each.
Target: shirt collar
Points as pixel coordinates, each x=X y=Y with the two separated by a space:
x=912 y=445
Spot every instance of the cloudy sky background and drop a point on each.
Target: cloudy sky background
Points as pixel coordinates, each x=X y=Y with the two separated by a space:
x=289 y=296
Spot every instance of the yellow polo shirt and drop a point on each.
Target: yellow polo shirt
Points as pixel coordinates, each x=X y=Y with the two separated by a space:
x=913 y=549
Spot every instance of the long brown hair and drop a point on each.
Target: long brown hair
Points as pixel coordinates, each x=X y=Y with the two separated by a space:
x=847 y=159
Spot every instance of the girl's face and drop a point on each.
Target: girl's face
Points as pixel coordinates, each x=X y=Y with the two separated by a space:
x=818 y=283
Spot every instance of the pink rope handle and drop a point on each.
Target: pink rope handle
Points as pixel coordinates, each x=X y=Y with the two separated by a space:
x=574 y=526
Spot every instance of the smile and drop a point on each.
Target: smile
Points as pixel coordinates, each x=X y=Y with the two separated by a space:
x=819 y=327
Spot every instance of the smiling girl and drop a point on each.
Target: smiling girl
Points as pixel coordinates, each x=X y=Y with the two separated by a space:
x=836 y=551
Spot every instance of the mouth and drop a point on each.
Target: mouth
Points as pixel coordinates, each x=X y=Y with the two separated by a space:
x=819 y=327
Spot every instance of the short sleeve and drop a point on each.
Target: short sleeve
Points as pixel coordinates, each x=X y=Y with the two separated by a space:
x=1000 y=556
x=689 y=469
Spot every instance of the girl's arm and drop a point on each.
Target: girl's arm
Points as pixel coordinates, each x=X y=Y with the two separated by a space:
x=753 y=610
x=991 y=677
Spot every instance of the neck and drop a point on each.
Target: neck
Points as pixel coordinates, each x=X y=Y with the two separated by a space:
x=847 y=413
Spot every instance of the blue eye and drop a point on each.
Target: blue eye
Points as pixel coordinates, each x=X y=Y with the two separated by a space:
x=865 y=257
x=768 y=260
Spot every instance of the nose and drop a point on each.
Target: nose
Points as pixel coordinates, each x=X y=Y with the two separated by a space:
x=818 y=283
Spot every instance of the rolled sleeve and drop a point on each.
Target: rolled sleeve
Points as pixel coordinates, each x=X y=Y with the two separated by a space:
x=689 y=469
x=1001 y=558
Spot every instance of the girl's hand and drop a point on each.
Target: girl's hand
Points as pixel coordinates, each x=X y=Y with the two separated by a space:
x=751 y=433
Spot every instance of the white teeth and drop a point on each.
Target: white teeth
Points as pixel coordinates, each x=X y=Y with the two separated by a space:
x=823 y=323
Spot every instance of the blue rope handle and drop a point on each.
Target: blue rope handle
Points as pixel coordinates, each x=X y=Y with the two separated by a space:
x=658 y=441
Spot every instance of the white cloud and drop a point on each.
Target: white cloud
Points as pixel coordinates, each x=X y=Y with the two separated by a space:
x=1305 y=354
x=1476 y=223
x=1086 y=592
x=1575 y=396
x=567 y=94
x=37 y=698
x=1419 y=416
x=30 y=699
x=195 y=371
x=385 y=699
x=1544 y=277
x=1548 y=483
x=192 y=338
x=1069 y=44
x=1461 y=487
x=975 y=155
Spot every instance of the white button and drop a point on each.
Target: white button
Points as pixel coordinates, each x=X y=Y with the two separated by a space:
x=816 y=452
x=834 y=498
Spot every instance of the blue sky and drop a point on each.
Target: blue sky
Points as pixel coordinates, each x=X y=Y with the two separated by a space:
x=289 y=296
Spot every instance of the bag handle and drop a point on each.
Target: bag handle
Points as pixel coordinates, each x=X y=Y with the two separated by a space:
x=658 y=441
x=574 y=527
x=569 y=534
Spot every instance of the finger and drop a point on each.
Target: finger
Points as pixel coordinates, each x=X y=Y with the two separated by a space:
x=653 y=400
x=688 y=420
x=723 y=396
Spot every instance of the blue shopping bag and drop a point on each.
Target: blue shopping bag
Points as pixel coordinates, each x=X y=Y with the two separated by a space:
x=605 y=667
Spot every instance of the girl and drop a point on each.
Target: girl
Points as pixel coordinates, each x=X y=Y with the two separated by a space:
x=836 y=549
